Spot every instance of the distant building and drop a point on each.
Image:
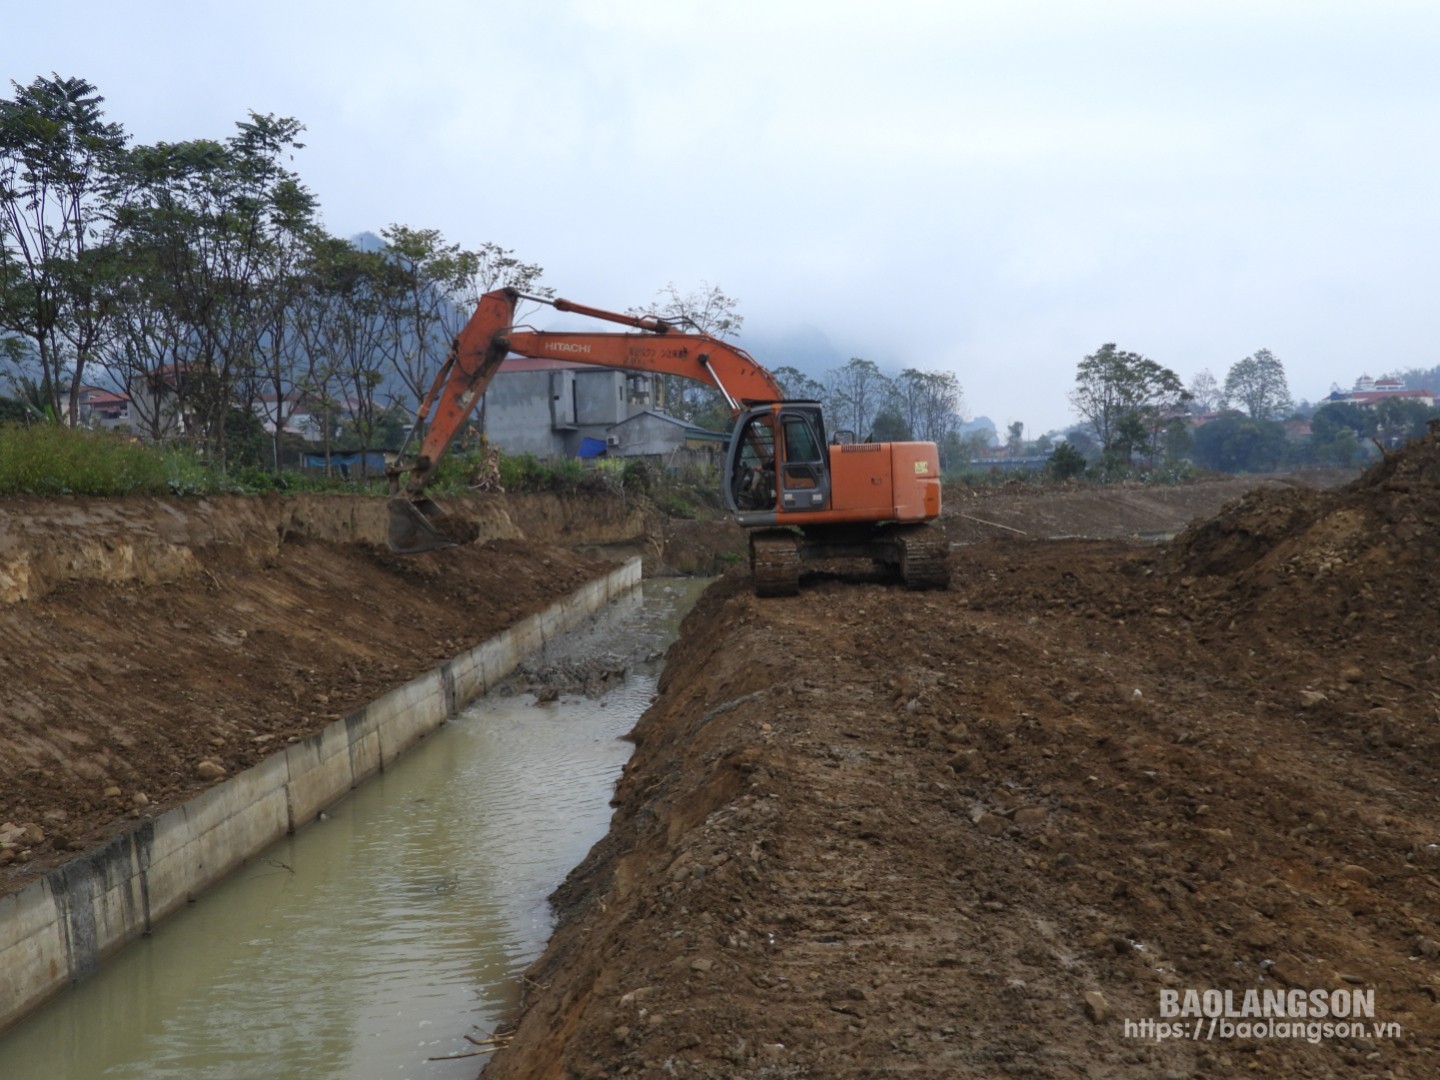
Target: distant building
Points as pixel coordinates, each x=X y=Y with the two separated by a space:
x=552 y=408
x=103 y=408
x=649 y=433
x=298 y=413
x=1369 y=392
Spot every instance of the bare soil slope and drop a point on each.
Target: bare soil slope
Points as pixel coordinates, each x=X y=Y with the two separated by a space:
x=145 y=637
x=876 y=833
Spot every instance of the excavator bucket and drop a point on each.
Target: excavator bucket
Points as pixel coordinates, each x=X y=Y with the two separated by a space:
x=412 y=526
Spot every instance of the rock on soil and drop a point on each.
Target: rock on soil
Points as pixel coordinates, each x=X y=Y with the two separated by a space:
x=869 y=832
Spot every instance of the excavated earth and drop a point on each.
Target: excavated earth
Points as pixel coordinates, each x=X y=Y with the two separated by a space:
x=866 y=832
x=875 y=833
x=152 y=646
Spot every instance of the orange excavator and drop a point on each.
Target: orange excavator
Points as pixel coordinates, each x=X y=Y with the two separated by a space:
x=803 y=496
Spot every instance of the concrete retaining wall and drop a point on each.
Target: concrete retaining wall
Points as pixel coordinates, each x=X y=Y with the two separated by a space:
x=62 y=927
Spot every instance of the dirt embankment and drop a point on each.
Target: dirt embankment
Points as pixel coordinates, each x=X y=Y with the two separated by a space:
x=1136 y=511
x=868 y=832
x=153 y=645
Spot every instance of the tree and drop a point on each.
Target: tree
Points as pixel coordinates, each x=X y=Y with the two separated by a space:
x=1343 y=414
x=795 y=385
x=58 y=161
x=494 y=267
x=1066 y=462
x=204 y=220
x=1127 y=400
x=1015 y=438
x=1257 y=385
x=1238 y=443
x=1398 y=420
x=343 y=329
x=890 y=426
x=931 y=402
x=857 y=392
x=293 y=230
x=1205 y=393
x=432 y=292
x=706 y=310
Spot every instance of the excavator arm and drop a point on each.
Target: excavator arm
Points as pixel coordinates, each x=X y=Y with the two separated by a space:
x=475 y=356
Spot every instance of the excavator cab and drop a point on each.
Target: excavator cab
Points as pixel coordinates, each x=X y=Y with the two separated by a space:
x=777 y=462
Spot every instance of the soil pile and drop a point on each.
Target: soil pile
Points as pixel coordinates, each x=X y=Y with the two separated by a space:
x=975 y=833
x=1358 y=562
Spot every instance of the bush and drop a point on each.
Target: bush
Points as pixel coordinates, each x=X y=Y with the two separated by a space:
x=637 y=475
x=1066 y=462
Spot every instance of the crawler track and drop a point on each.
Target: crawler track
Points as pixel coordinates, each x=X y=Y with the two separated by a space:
x=775 y=562
x=924 y=557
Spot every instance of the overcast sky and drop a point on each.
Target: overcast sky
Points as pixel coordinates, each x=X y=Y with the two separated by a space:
x=990 y=188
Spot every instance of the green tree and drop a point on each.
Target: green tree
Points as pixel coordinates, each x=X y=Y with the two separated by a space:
x=1066 y=462
x=343 y=328
x=1330 y=419
x=1257 y=385
x=1238 y=443
x=1398 y=420
x=1127 y=400
x=890 y=426
x=204 y=220
x=13 y=412
x=58 y=165
x=293 y=227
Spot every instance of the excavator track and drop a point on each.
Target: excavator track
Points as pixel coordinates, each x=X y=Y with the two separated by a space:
x=924 y=557
x=775 y=562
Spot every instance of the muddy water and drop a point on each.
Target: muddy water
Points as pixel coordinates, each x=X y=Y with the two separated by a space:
x=378 y=939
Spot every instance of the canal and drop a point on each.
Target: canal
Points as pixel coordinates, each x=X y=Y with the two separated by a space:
x=380 y=941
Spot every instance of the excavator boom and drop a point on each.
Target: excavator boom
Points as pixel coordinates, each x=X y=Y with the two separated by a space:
x=804 y=498
x=490 y=335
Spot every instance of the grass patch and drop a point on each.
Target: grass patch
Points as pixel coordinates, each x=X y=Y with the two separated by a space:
x=44 y=459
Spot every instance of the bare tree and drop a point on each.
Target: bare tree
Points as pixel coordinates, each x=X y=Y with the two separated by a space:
x=858 y=391
x=1205 y=393
x=932 y=402
x=706 y=310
